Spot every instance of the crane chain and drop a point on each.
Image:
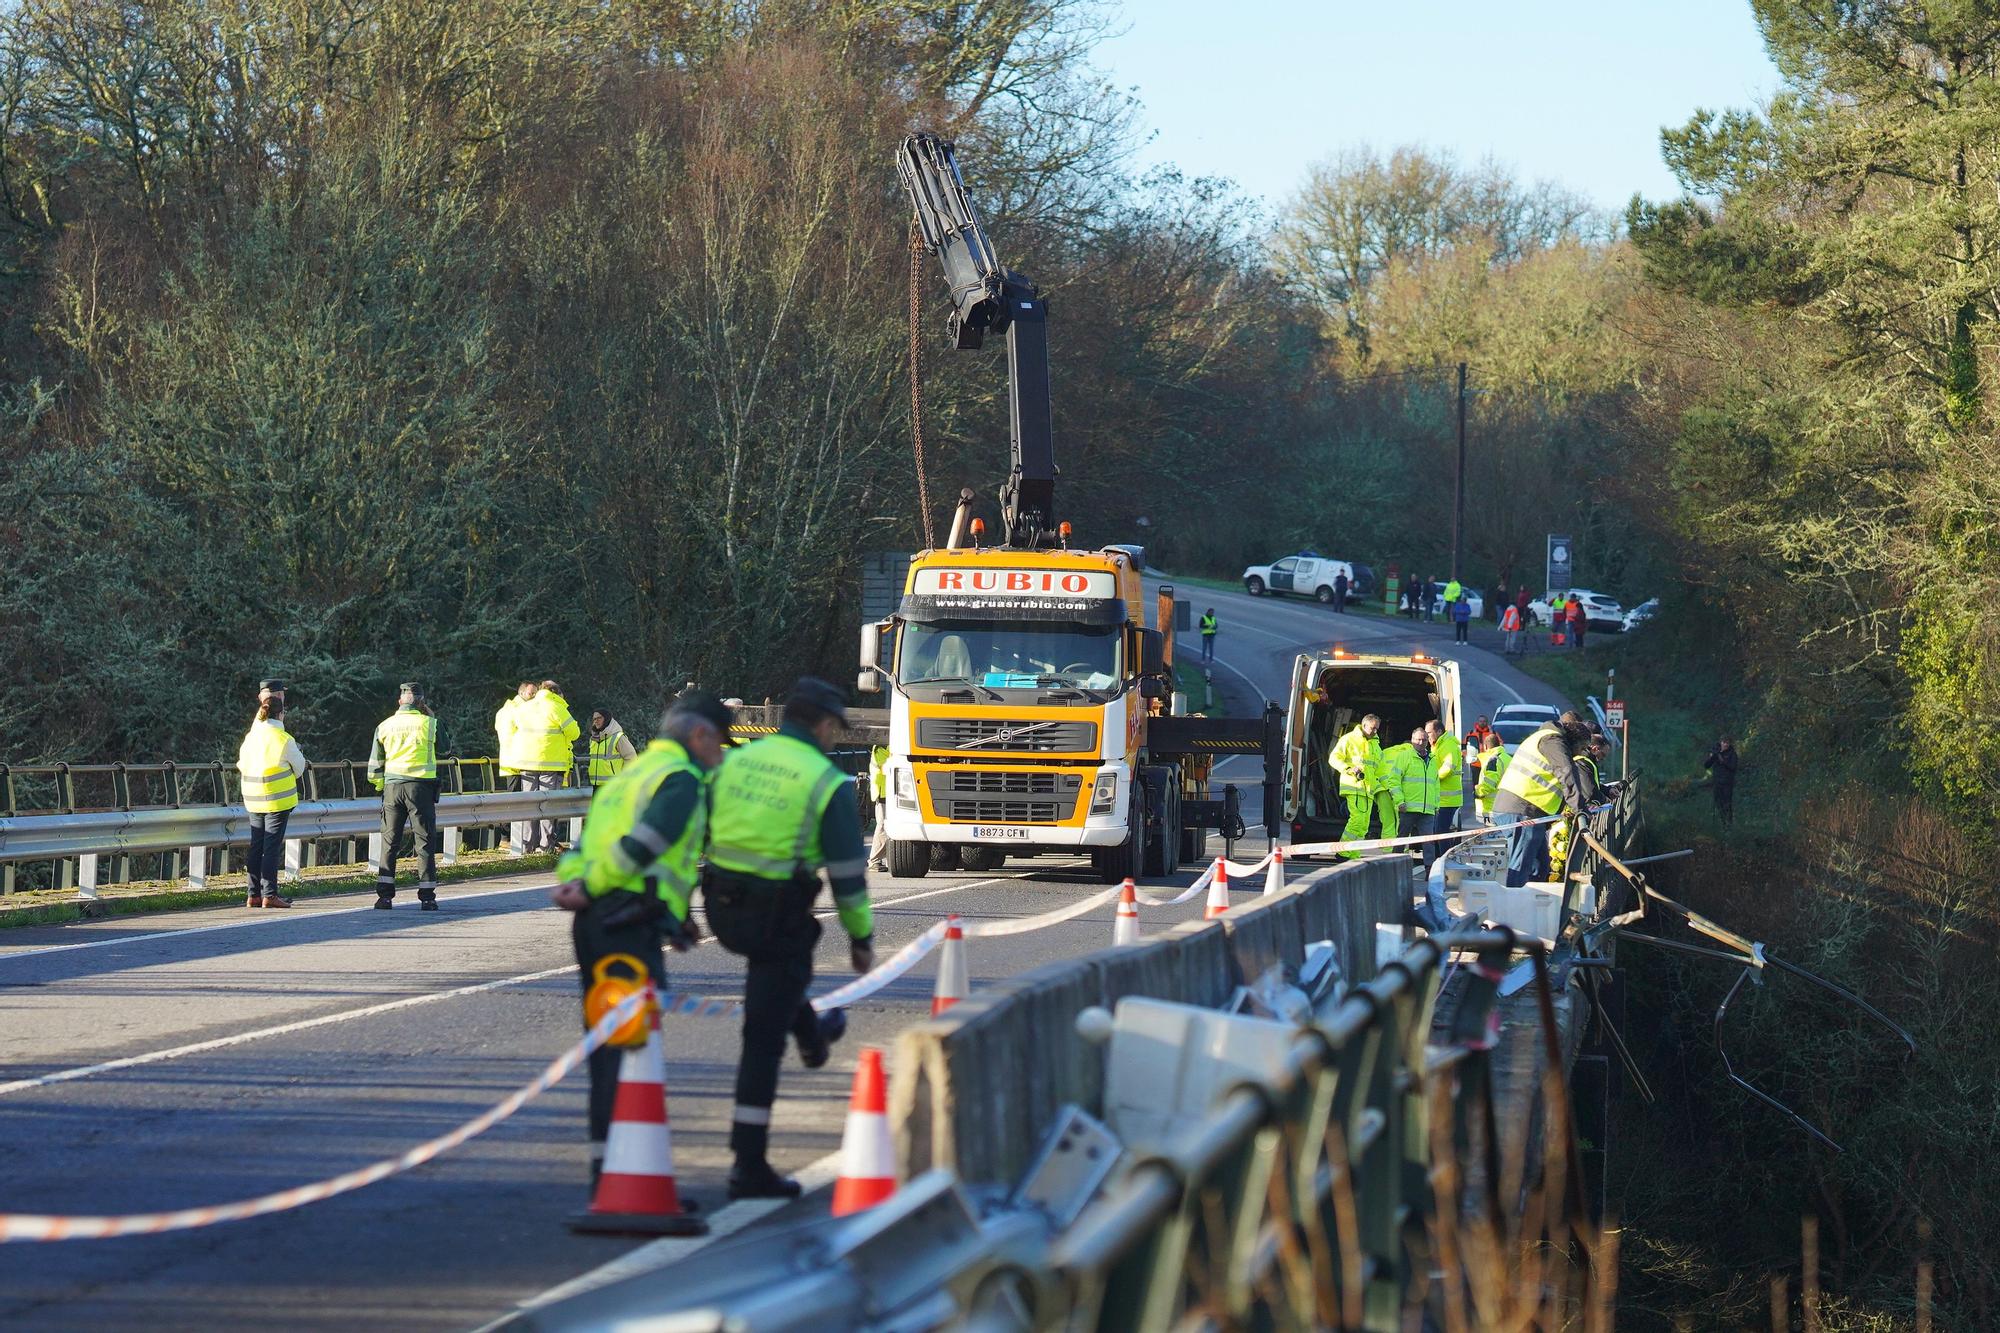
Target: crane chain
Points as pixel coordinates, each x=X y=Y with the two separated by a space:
x=916 y=385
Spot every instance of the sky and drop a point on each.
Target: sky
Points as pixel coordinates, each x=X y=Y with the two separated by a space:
x=1573 y=91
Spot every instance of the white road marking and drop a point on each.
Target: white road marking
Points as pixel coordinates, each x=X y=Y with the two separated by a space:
x=266 y=917
x=369 y=1011
x=672 y=1249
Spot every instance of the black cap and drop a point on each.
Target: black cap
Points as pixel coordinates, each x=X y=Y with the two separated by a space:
x=704 y=705
x=270 y=685
x=821 y=694
x=411 y=687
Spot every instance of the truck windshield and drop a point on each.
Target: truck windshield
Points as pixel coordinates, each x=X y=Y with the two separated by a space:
x=1003 y=654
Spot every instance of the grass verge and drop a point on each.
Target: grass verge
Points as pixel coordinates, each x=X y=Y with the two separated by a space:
x=54 y=907
x=1190 y=680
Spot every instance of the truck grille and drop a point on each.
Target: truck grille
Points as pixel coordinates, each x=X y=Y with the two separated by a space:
x=952 y=733
x=971 y=796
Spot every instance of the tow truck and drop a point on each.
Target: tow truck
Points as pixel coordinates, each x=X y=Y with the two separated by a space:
x=1026 y=688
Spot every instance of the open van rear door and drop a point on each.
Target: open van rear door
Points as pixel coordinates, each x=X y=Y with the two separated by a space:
x=1296 y=723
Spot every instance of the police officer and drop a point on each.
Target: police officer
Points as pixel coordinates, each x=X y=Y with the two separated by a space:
x=403 y=766
x=782 y=813
x=272 y=766
x=1208 y=635
x=630 y=882
x=1540 y=780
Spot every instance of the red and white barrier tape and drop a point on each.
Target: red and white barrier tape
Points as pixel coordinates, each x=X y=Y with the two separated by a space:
x=986 y=930
x=36 y=1226
x=883 y=973
x=1385 y=844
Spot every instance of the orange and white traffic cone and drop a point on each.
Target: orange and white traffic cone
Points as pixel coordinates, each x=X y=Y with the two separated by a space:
x=867 y=1158
x=1274 y=878
x=951 y=980
x=1218 y=890
x=636 y=1193
x=1125 y=926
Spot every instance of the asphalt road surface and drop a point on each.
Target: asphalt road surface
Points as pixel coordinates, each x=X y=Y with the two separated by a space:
x=175 y=1061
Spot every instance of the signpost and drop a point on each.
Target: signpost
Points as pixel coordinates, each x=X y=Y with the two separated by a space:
x=1561 y=567
x=1614 y=718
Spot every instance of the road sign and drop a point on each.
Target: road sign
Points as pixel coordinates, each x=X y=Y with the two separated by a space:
x=1561 y=562
x=1614 y=715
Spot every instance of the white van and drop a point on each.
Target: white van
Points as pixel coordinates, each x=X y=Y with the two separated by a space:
x=1405 y=692
x=1306 y=574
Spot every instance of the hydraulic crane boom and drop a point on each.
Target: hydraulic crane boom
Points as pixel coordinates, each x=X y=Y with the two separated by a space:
x=987 y=295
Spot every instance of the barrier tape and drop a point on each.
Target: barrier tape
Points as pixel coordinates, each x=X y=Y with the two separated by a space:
x=882 y=974
x=1201 y=883
x=986 y=930
x=1385 y=844
x=35 y=1226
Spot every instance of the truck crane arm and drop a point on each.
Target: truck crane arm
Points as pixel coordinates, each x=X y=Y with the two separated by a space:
x=986 y=295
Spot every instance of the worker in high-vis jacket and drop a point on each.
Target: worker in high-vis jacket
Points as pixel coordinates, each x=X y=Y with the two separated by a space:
x=878 y=797
x=781 y=813
x=610 y=748
x=1357 y=759
x=547 y=753
x=1541 y=780
x=271 y=766
x=1408 y=766
x=1448 y=760
x=630 y=882
x=403 y=766
x=1492 y=766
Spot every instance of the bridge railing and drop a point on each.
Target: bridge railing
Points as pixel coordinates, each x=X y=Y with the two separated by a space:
x=180 y=822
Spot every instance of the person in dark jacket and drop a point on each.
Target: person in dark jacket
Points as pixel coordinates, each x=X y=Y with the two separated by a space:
x=1340 y=586
x=1461 y=619
x=1721 y=764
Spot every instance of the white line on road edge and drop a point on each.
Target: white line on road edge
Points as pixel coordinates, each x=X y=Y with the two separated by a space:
x=346 y=1015
x=667 y=1250
x=144 y=937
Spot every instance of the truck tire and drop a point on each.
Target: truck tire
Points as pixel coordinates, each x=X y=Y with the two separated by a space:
x=1194 y=846
x=1114 y=864
x=1254 y=586
x=944 y=856
x=1323 y=595
x=982 y=858
x=909 y=860
x=1163 y=840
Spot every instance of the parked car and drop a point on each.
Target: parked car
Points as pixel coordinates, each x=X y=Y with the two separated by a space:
x=1599 y=612
x=1642 y=613
x=1514 y=723
x=1307 y=574
x=1363 y=578
x=1478 y=604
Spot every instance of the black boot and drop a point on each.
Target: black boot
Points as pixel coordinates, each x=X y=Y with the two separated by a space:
x=753 y=1178
x=816 y=1044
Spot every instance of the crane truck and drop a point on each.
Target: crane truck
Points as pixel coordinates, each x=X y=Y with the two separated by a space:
x=1026 y=687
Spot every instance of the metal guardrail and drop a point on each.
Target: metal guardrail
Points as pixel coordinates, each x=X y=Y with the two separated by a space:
x=1364 y=1181
x=76 y=841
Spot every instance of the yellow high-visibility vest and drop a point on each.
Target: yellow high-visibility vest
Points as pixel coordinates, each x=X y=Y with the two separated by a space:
x=269 y=785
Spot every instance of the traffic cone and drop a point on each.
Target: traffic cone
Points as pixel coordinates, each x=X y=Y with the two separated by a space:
x=1125 y=926
x=1218 y=890
x=867 y=1159
x=636 y=1194
x=951 y=982
x=1274 y=878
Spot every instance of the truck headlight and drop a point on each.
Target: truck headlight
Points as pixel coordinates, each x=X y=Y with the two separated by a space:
x=1104 y=794
x=905 y=785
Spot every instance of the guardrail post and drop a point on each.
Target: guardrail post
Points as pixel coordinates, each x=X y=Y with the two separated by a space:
x=121 y=797
x=576 y=831
x=197 y=875
x=86 y=877
x=374 y=853
x=449 y=854
x=517 y=838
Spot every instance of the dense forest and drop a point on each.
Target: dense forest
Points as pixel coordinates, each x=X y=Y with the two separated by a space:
x=356 y=340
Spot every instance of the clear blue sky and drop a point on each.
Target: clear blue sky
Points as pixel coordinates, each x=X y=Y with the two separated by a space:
x=1568 y=90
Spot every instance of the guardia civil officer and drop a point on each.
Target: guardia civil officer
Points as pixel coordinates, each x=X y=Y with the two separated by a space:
x=630 y=882
x=782 y=813
x=272 y=766
x=403 y=766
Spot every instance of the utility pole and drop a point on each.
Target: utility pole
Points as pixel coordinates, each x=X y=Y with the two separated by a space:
x=1458 y=489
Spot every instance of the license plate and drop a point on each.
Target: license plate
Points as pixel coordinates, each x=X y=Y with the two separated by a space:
x=989 y=832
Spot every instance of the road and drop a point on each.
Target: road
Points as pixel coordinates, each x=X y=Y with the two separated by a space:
x=249 y=1053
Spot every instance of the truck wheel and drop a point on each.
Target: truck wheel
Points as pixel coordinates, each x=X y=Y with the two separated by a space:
x=944 y=856
x=981 y=858
x=1163 y=841
x=1194 y=846
x=909 y=860
x=1324 y=595
x=1254 y=586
